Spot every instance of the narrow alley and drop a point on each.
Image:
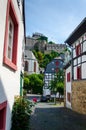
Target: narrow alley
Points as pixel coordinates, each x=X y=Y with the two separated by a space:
x=47 y=116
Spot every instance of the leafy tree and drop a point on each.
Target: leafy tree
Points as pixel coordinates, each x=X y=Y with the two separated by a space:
x=54 y=54
x=44 y=59
x=40 y=55
x=41 y=76
x=35 y=83
x=42 y=38
x=21 y=114
x=26 y=83
x=57 y=85
x=37 y=86
x=51 y=42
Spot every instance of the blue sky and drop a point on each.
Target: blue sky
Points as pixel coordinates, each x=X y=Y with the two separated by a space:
x=56 y=19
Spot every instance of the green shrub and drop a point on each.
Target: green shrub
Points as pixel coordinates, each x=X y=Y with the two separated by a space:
x=21 y=114
x=24 y=92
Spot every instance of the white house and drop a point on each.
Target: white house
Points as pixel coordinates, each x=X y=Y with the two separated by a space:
x=31 y=63
x=68 y=87
x=77 y=40
x=11 y=44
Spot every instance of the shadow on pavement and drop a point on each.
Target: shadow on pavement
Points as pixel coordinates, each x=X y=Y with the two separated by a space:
x=57 y=119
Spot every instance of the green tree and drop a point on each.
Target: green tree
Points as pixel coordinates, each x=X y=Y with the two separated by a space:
x=40 y=56
x=36 y=83
x=21 y=112
x=42 y=38
x=26 y=83
x=44 y=59
x=50 y=42
x=60 y=82
x=57 y=85
x=54 y=54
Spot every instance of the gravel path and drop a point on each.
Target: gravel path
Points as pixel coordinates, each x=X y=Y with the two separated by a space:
x=47 y=116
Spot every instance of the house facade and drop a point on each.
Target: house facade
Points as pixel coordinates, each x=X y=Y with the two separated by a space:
x=50 y=73
x=67 y=88
x=31 y=63
x=77 y=41
x=11 y=44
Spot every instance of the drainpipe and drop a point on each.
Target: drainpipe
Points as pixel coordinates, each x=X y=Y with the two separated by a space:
x=21 y=83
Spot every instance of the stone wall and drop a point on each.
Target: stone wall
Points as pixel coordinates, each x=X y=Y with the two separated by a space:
x=79 y=96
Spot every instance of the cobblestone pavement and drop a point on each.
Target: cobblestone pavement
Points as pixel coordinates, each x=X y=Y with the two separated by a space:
x=47 y=116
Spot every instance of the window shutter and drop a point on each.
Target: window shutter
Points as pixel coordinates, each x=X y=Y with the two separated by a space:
x=79 y=72
x=68 y=77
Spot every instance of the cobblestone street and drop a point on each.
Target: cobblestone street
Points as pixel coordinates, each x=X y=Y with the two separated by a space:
x=47 y=116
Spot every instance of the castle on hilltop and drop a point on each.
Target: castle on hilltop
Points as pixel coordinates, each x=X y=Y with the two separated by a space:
x=41 y=44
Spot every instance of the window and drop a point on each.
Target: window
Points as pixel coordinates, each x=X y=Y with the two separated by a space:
x=11 y=37
x=34 y=66
x=52 y=69
x=68 y=77
x=57 y=63
x=52 y=62
x=78 y=50
x=26 y=66
x=79 y=72
x=56 y=70
x=3 y=115
x=69 y=97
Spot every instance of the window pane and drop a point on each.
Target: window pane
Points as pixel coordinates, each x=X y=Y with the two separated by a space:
x=10 y=39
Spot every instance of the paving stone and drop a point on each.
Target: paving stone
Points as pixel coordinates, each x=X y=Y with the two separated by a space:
x=47 y=116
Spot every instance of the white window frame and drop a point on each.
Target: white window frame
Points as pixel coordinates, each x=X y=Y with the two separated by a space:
x=10 y=42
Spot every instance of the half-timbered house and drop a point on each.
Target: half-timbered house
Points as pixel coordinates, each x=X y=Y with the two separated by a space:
x=77 y=41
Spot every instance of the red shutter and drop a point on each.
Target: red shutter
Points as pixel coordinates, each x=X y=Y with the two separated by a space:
x=57 y=70
x=3 y=115
x=78 y=50
x=57 y=63
x=79 y=72
x=68 y=77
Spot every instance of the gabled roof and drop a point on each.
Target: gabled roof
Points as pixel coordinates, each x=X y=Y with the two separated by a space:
x=79 y=30
x=29 y=55
x=67 y=65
